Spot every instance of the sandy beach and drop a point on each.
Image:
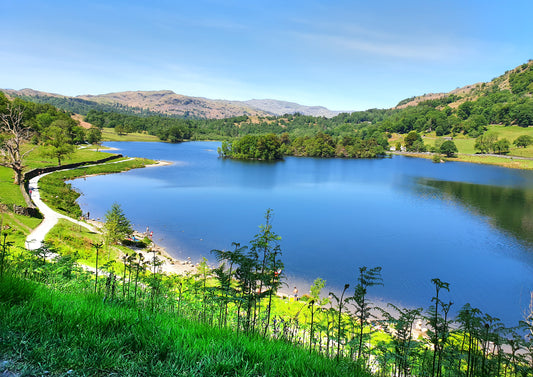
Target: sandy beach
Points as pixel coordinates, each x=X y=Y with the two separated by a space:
x=160 y=163
x=169 y=264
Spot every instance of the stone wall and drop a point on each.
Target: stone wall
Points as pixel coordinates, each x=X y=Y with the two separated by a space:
x=35 y=172
x=31 y=210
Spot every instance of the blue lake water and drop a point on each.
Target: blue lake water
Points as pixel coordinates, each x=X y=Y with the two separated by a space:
x=469 y=225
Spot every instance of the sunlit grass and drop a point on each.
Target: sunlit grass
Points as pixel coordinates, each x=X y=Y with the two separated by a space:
x=18 y=227
x=493 y=160
x=10 y=193
x=79 y=334
x=37 y=158
x=109 y=134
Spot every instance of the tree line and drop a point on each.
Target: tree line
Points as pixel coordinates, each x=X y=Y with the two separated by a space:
x=26 y=125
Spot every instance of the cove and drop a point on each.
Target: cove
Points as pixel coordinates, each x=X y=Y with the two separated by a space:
x=466 y=224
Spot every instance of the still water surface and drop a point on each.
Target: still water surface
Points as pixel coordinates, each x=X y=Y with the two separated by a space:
x=469 y=225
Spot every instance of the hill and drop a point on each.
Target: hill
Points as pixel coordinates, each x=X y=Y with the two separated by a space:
x=169 y=103
x=517 y=80
x=166 y=102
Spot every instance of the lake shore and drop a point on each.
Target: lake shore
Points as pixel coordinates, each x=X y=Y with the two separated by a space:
x=160 y=163
x=196 y=208
x=170 y=265
x=510 y=162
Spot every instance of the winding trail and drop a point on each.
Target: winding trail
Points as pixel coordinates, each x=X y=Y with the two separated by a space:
x=36 y=237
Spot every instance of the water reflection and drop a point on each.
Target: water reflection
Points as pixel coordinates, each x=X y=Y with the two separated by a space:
x=406 y=215
x=510 y=209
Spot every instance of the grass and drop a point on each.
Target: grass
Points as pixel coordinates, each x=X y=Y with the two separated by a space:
x=468 y=153
x=10 y=193
x=37 y=159
x=58 y=194
x=109 y=134
x=73 y=240
x=493 y=160
x=18 y=227
x=45 y=331
x=55 y=191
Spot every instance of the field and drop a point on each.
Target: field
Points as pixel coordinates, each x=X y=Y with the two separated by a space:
x=109 y=134
x=468 y=153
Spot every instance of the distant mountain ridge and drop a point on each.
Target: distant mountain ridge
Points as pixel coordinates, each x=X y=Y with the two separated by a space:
x=282 y=107
x=169 y=103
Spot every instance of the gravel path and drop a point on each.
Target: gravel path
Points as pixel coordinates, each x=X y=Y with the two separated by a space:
x=35 y=239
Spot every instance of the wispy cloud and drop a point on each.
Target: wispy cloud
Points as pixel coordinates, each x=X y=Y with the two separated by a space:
x=391 y=48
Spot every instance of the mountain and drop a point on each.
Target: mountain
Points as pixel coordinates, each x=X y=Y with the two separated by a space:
x=169 y=103
x=282 y=107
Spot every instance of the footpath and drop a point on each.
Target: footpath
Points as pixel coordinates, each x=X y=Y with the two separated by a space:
x=36 y=238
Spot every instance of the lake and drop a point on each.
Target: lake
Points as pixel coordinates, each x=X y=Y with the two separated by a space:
x=466 y=224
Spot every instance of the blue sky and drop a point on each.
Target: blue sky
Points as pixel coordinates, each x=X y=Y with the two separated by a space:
x=345 y=55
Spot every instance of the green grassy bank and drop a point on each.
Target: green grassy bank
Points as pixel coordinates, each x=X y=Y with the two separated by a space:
x=48 y=332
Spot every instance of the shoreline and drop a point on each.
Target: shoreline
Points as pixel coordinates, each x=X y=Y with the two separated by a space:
x=507 y=161
x=170 y=265
x=160 y=163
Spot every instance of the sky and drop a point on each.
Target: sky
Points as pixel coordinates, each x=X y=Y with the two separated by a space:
x=344 y=55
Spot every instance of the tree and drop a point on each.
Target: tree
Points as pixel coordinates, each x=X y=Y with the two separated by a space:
x=94 y=135
x=116 y=226
x=120 y=130
x=524 y=114
x=448 y=148
x=413 y=142
x=523 y=141
x=485 y=142
x=59 y=141
x=13 y=133
x=501 y=146
x=464 y=110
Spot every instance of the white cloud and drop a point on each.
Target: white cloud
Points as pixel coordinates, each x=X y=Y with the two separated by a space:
x=404 y=49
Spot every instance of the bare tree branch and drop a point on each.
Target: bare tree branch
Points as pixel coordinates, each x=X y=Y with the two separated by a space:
x=15 y=133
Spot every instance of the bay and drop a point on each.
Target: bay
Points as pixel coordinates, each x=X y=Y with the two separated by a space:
x=469 y=225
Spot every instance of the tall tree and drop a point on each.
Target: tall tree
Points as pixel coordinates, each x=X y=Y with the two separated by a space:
x=116 y=226
x=94 y=136
x=58 y=141
x=13 y=133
